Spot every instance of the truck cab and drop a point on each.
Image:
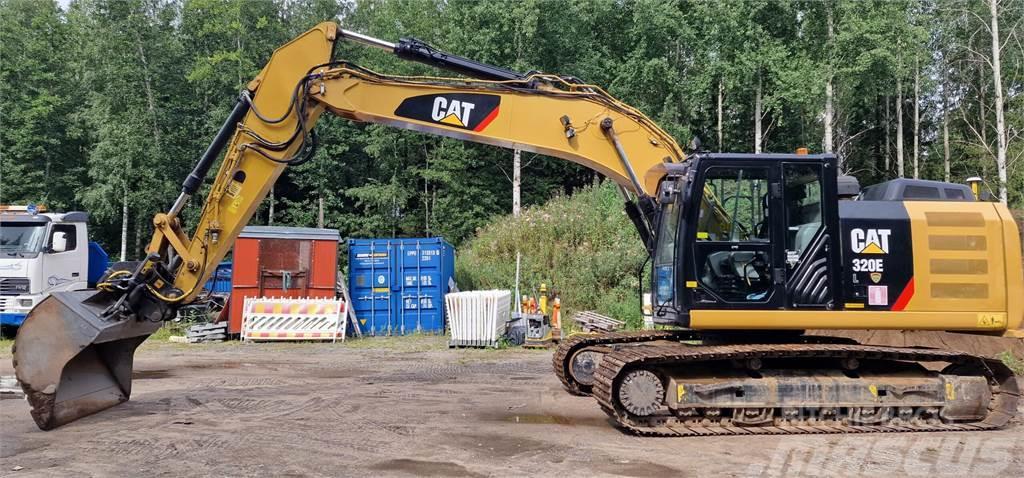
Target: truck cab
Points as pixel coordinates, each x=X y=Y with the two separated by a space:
x=42 y=253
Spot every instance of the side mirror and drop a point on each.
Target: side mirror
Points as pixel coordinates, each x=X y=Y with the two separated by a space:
x=59 y=242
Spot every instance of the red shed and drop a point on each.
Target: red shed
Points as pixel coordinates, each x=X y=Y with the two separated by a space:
x=282 y=262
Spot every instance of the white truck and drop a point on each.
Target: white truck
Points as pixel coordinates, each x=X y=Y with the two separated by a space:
x=42 y=253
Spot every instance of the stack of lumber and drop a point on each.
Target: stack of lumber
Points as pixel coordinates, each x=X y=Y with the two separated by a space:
x=591 y=321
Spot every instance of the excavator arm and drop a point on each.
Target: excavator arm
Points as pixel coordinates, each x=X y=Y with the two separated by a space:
x=73 y=355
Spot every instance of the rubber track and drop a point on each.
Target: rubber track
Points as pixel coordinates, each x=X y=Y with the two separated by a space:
x=1001 y=409
x=568 y=347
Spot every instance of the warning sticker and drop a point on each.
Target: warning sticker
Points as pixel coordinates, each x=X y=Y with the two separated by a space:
x=992 y=320
x=878 y=295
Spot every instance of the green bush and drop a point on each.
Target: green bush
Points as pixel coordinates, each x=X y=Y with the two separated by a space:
x=583 y=246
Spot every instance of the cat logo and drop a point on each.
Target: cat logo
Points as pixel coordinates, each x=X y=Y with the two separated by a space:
x=876 y=277
x=460 y=110
x=870 y=241
x=454 y=112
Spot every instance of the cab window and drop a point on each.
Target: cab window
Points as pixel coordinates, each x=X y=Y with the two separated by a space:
x=734 y=207
x=69 y=233
x=665 y=254
x=802 y=206
x=733 y=236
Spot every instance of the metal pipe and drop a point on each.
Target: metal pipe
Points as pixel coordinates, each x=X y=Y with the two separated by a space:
x=415 y=50
x=179 y=204
x=368 y=40
x=609 y=131
x=202 y=167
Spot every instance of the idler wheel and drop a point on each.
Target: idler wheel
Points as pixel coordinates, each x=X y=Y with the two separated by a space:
x=584 y=365
x=641 y=392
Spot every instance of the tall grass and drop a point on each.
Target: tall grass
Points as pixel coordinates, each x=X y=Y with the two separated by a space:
x=583 y=246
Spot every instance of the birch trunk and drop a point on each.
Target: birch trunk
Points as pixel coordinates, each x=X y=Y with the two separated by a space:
x=899 y=126
x=945 y=121
x=757 y=116
x=148 y=86
x=721 y=94
x=270 y=215
x=997 y=80
x=124 y=222
x=888 y=140
x=320 y=211
x=827 y=143
x=917 y=119
x=516 y=181
x=829 y=113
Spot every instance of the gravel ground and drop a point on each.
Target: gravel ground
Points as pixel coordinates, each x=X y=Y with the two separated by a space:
x=412 y=407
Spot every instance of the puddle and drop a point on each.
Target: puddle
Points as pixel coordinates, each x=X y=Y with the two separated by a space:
x=424 y=468
x=639 y=469
x=550 y=419
x=170 y=372
x=150 y=374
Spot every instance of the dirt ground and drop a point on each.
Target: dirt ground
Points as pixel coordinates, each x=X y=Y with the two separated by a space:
x=413 y=407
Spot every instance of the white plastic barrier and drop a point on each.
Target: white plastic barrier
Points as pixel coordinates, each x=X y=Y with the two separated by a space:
x=477 y=318
x=270 y=318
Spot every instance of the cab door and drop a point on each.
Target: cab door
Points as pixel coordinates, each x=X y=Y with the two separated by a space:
x=809 y=253
x=735 y=236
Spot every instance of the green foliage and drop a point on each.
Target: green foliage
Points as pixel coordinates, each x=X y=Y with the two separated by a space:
x=1015 y=363
x=582 y=246
x=109 y=102
x=39 y=147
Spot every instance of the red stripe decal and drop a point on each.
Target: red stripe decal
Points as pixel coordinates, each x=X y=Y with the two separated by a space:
x=905 y=296
x=483 y=124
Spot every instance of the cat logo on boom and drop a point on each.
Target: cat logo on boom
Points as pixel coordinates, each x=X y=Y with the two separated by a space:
x=870 y=241
x=460 y=110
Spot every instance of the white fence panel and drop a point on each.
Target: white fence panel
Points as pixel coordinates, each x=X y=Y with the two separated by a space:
x=477 y=318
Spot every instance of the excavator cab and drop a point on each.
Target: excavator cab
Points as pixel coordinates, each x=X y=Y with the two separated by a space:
x=742 y=231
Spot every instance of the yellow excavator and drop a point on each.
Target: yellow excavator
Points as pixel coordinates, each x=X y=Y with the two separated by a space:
x=747 y=252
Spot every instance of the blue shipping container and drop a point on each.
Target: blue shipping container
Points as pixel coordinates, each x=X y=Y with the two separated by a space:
x=98 y=263
x=220 y=281
x=398 y=285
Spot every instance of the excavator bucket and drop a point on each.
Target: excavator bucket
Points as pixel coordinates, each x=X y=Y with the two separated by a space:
x=73 y=362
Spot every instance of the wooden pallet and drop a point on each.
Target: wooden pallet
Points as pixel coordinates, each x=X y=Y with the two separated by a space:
x=591 y=321
x=208 y=332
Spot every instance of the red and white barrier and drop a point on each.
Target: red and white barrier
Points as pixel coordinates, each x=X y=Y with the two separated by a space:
x=269 y=318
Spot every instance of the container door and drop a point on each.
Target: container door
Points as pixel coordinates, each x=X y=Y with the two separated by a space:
x=421 y=275
x=370 y=285
x=397 y=291
x=324 y=269
x=285 y=267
